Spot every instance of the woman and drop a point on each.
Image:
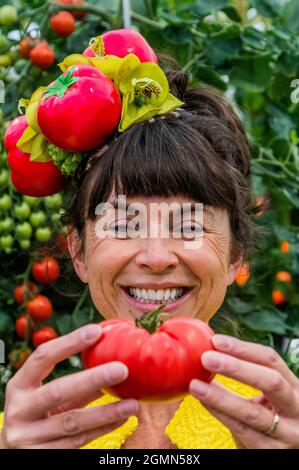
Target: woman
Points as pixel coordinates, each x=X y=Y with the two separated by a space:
x=201 y=155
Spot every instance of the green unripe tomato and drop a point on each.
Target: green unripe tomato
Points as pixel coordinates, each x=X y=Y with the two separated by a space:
x=5 y=202
x=22 y=211
x=7 y=224
x=8 y=15
x=23 y=231
x=25 y=244
x=4 y=177
x=43 y=234
x=4 y=44
x=53 y=202
x=6 y=241
x=32 y=201
x=19 y=65
x=37 y=218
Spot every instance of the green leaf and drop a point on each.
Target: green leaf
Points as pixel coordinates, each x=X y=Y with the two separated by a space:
x=252 y=74
x=64 y=323
x=203 y=7
x=265 y=320
x=81 y=317
x=290 y=15
x=239 y=307
x=280 y=120
x=269 y=8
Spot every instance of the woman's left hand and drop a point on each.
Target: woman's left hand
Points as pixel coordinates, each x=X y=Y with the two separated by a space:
x=249 y=419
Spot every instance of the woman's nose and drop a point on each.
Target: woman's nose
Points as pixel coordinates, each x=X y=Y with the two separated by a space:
x=157 y=255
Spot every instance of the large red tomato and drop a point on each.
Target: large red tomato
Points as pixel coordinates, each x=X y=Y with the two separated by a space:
x=31 y=178
x=161 y=363
x=121 y=42
x=86 y=112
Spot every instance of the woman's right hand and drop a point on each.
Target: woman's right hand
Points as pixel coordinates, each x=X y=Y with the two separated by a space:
x=52 y=415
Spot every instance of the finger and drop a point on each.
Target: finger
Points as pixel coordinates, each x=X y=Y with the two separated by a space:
x=253 y=352
x=249 y=412
x=78 y=440
x=77 y=403
x=42 y=361
x=72 y=423
x=71 y=387
x=250 y=438
x=270 y=381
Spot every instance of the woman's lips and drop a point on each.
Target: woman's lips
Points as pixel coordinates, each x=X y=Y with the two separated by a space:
x=149 y=307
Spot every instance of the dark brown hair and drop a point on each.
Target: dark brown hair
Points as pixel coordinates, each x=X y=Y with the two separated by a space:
x=203 y=155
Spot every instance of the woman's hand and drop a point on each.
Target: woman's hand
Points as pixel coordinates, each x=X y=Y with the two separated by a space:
x=53 y=415
x=249 y=419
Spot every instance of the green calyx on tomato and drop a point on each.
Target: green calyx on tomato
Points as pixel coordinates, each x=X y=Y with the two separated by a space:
x=61 y=85
x=152 y=321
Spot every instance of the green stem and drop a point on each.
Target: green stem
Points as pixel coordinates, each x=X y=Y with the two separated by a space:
x=87 y=7
x=149 y=9
x=81 y=300
x=152 y=321
x=146 y=21
x=189 y=64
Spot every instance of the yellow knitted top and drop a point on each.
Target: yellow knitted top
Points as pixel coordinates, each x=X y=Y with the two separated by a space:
x=192 y=426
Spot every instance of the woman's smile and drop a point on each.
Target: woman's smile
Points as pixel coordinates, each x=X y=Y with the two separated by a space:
x=148 y=296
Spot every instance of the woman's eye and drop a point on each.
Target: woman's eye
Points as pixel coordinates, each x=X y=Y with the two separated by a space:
x=188 y=228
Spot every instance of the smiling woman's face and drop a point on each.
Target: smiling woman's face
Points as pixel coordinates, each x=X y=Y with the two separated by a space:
x=128 y=276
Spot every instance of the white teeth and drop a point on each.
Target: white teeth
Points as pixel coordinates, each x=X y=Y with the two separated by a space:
x=156 y=296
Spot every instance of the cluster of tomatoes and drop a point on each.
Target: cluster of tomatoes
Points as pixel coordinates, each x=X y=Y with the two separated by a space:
x=282 y=278
x=37 y=50
x=25 y=220
x=37 y=308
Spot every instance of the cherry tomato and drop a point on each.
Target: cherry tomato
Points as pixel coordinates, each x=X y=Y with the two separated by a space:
x=243 y=276
x=19 y=292
x=18 y=357
x=8 y=15
x=285 y=247
x=43 y=335
x=22 y=211
x=30 y=178
x=26 y=45
x=86 y=115
x=21 y=326
x=23 y=231
x=79 y=15
x=284 y=276
x=46 y=271
x=63 y=23
x=40 y=308
x=43 y=234
x=161 y=361
x=42 y=56
x=278 y=297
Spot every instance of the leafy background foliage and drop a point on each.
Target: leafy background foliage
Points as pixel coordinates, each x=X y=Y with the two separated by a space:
x=250 y=51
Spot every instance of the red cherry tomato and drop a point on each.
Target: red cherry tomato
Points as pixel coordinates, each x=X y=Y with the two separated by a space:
x=21 y=326
x=46 y=271
x=42 y=56
x=121 y=42
x=31 y=178
x=43 y=335
x=19 y=292
x=86 y=115
x=40 y=308
x=161 y=364
x=79 y=15
x=63 y=23
x=26 y=45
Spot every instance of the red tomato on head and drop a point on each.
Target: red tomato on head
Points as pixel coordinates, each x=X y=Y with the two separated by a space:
x=85 y=113
x=121 y=42
x=161 y=364
x=40 y=308
x=43 y=335
x=46 y=271
x=31 y=178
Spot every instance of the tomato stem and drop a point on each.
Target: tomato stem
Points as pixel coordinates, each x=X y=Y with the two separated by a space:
x=152 y=321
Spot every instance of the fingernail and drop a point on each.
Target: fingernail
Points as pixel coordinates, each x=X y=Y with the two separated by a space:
x=222 y=342
x=212 y=360
x=116 y=372
x=129 y=407
x=90 y=332
x=199 y=388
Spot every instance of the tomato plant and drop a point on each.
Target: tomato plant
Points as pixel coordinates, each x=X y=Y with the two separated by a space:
x=40 y=308
x=63 y=23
